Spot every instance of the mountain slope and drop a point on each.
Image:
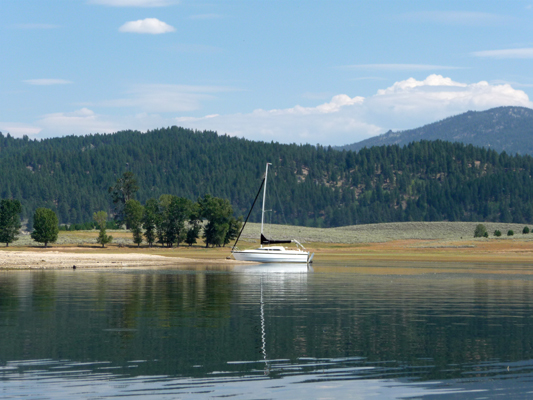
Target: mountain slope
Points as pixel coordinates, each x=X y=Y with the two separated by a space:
x=308 y=185
x=508 y=129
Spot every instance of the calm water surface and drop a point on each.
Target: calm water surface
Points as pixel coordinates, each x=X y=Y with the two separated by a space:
x=265 y=332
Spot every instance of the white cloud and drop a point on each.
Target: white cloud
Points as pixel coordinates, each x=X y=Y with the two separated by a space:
x=160 y=98
x=134 y=3
x=18 y=129
x=411 y=103
x=397 y=67
x=79 y=122
x=512 y=83
x=149 y=25
x=411 y=83
x=505 y=53
x=404 y=105
x=324 y=123
x=47 y=82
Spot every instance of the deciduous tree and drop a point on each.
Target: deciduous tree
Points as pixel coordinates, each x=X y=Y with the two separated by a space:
x=217 y=213
x=195 y=220
x=45 y=226
x=176 y=213
x=133 y=212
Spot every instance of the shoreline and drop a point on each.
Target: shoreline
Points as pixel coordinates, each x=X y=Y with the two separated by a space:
x=54 y=258
x=389 y=243
x=490 y=252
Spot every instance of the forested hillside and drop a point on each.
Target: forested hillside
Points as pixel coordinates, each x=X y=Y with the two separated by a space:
x=308 y=185
x=508 y=129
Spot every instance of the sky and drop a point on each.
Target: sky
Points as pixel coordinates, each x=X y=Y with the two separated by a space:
x=319 y=72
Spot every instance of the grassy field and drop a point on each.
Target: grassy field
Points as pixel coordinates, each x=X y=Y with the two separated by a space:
x=355 y=234
x=77 y=238
x=380 y=233
x=391 y=242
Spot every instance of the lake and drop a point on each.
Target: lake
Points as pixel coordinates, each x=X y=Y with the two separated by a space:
x=271 y=332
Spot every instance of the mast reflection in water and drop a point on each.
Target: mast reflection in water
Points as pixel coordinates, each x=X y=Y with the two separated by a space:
x=264 y=332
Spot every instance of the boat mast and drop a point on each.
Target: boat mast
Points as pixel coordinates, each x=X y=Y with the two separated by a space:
x=264 y=196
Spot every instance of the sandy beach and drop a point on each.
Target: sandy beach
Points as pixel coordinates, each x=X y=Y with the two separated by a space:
x=57 y=258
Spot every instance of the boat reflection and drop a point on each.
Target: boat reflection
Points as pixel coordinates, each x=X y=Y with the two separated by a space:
x=277 y=268
x=270 y=286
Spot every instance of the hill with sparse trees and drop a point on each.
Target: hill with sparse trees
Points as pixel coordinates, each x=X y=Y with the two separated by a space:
x=508 y=129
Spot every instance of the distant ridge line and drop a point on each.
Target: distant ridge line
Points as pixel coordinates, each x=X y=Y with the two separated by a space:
x=508 y=128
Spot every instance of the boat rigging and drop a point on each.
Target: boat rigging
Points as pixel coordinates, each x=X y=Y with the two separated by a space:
x=270 y=254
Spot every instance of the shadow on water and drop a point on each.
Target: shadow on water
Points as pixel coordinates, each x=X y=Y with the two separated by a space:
x=265 y=331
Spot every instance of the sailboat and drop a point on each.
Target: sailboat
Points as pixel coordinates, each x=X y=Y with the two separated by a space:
x=269 y=253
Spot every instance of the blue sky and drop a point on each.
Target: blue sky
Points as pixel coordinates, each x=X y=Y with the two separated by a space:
x=328 y=72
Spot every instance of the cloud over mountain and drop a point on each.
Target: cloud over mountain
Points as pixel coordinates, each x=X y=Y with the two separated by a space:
x=79 y=122
x=406 y=104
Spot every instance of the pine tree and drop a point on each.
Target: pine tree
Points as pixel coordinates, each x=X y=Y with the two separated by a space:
x=100 y=218
x=9 y=220
x=234 y=228
x=124 y=190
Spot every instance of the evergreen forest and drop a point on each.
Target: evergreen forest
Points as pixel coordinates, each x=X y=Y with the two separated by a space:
x=307 y=185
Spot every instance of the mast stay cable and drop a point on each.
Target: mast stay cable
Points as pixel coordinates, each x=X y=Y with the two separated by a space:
x=248 y=216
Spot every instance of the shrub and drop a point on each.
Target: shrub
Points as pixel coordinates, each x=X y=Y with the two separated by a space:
x=480 y=231
x=497 y=233
x=486 y=234
x=100 y=218
x=510 y=232
x=525 y=230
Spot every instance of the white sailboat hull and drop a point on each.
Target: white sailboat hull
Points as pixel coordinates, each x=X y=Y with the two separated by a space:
x=271 y=255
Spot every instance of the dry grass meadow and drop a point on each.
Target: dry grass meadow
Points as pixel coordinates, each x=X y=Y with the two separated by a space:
x=381 y=233
x=390 y=242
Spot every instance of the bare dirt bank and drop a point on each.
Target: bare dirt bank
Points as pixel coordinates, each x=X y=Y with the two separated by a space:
x=53 y=259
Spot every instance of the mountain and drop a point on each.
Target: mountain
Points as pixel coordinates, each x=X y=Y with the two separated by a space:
x=508 y=129
x=308 y=185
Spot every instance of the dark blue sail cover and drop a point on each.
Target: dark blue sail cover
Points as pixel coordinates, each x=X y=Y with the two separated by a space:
x=264 y=240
